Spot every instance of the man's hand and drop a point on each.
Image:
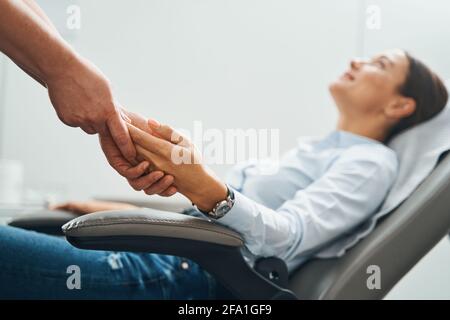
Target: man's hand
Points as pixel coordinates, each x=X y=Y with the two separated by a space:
x=82 y=97
x=139 y=176
x=85 y=99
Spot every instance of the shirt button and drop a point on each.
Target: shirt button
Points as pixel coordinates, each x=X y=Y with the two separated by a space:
x=184 y=265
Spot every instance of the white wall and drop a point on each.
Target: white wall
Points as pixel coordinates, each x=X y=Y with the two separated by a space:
x=230 y=63
x=421 y=27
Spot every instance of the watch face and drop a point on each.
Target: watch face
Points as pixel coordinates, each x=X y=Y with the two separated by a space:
x=223 y=207
x=222 y=210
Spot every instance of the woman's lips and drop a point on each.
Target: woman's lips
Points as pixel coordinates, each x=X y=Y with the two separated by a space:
x=348 y=76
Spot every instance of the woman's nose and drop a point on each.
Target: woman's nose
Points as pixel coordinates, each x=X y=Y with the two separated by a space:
x=355 y=64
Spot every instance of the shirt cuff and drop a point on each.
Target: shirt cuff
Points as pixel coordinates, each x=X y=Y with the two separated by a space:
x=241 y=216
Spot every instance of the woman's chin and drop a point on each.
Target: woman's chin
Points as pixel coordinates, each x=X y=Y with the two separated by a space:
x=336 y=87
x=340 y=86
x=339 y=91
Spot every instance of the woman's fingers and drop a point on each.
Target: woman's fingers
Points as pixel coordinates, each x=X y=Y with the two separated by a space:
x=146 y=181
x=149 y=142
x=160 y=186
x=166 y=132
x=136 y=120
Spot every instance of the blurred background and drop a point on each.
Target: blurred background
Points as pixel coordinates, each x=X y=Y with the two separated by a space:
x=231 y=64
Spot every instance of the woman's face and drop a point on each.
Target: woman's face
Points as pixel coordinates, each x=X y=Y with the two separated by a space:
x=369 y=86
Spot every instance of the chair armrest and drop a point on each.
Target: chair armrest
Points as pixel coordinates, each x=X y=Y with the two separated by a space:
x=149 y=222
x=215 y=248
x=50 y=221
x=43 y=221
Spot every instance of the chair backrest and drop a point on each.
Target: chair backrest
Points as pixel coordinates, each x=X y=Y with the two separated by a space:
x=397 y=243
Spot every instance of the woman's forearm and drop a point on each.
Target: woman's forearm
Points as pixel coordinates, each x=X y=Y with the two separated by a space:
x=31 y=41
x=211 y=191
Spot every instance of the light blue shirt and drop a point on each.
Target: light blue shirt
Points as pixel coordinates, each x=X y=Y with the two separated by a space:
x=322 y=190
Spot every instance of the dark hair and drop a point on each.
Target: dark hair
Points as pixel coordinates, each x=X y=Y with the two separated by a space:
x=427 y=90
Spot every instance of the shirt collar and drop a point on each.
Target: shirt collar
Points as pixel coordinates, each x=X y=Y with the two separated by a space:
x=344 y=139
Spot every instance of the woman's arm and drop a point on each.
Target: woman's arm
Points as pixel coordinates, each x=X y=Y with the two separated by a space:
x=85 y=207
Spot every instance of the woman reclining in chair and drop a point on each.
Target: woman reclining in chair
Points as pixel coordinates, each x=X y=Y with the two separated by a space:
x=322 y=190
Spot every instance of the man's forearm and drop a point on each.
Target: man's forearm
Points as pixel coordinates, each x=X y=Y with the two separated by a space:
x=36 y=9
x=79 y=92
x=31 y=41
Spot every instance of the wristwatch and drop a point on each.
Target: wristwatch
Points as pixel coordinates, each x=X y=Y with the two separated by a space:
x=222 y=207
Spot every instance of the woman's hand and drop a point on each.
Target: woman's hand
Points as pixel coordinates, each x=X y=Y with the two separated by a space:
x=91 y=206
x=175 y=155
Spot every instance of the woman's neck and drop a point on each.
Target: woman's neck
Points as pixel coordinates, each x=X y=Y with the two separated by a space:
x=366 y=129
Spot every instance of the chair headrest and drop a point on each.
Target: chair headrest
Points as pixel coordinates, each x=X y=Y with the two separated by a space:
x=418 y=150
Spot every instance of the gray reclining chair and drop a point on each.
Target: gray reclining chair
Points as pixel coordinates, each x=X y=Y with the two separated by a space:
x=398 y=242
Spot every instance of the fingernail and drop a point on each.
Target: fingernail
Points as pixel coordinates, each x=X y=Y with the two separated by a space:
x=145 y=164
x=154 y=123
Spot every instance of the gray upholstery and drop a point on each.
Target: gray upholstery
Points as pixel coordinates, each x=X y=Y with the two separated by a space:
x=45 y=221
x=151 y=222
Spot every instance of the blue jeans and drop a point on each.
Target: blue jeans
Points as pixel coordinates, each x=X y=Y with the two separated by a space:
x=38 y=266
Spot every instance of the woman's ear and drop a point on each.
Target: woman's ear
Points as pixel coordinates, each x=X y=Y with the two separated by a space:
x=401 y=108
